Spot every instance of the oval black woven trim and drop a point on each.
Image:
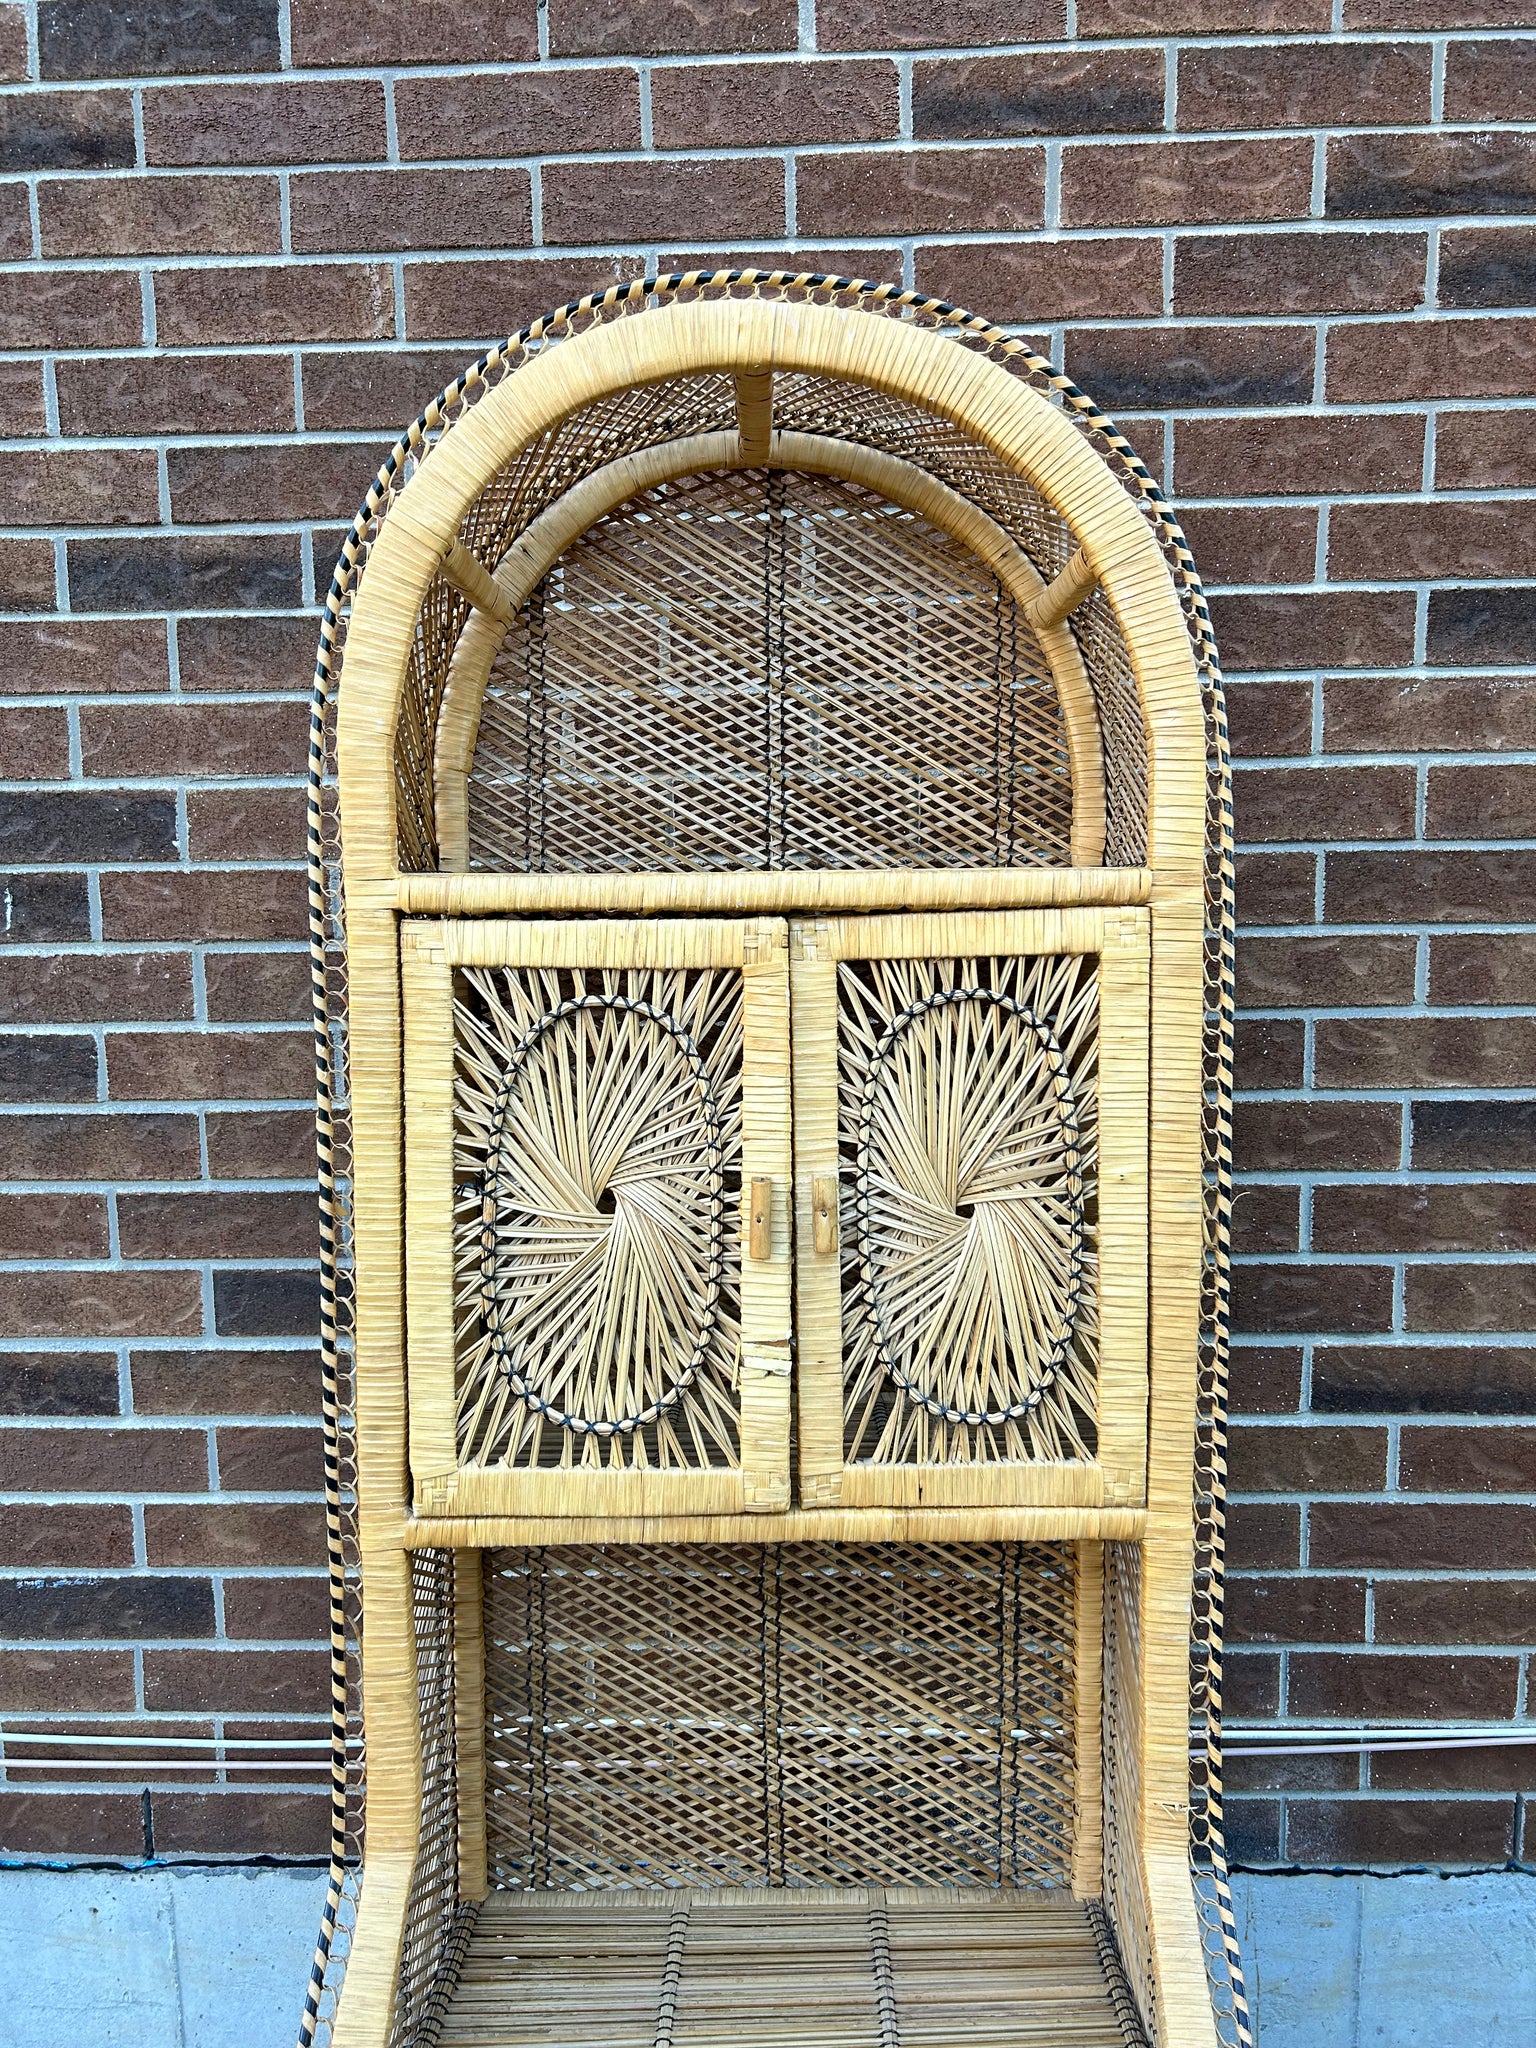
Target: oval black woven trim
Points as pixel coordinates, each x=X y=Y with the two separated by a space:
x=502 y=1343
x=1066 y=1111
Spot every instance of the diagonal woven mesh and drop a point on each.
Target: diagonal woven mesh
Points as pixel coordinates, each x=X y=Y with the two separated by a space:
x=755 y=669
x=597 y=1255
x=969 y=1141
x=786 y=1714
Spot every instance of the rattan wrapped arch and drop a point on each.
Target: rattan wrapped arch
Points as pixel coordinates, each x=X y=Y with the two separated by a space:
x=774 y=1194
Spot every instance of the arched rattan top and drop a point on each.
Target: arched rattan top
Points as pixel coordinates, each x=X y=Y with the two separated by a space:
x=917 y=352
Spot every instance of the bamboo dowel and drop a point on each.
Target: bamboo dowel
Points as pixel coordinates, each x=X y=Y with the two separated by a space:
x=477 y=583
x=754 y=411
x=1062 y=596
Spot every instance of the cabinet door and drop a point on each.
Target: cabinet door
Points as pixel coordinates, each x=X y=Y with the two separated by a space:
x=597 y=1215
x=971 y=1208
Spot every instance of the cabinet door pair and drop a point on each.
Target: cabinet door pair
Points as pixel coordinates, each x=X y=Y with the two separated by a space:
x=669 y=1181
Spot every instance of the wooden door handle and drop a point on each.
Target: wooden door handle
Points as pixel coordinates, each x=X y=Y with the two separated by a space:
x=824 y=1212
x=760 y=1219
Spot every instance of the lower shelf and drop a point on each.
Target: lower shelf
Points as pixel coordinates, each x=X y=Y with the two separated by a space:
x=785 y=1969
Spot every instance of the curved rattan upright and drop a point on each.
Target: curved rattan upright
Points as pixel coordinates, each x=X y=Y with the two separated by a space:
x=771 y=889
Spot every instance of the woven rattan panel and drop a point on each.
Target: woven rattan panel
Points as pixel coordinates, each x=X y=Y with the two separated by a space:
x=433 y=1902
x=779 y=1715
x=755 y=670
x=598 y=1164
x=968 y=1132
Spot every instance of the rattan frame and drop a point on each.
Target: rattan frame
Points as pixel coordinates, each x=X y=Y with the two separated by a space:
x=1122 y=553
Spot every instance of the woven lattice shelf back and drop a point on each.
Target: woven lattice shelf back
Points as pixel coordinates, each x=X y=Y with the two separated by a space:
x=770 y=888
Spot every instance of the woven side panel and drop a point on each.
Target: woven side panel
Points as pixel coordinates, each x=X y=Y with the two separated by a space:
x=761 y=670
x=969 y=1138
x=779 y=1715
x=597 y=1234
x=1124 y=1894
x=432 y=1906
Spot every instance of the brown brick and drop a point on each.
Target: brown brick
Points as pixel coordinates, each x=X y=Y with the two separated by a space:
x=1373 y=1687
x=1456 y=1298
x=93 y=1824
x=75 y=988
x=86 y=825
x=1490 y=450
x=1269 y=1052
x=101 y=1147
x=1467 y=357
x=57 y=1382
x=302 y=121
x=1452 y=1136
x=37 y=743
x=136 y=395
x=1425 y=1217
x=735 y=106
x=1315 y=629
x=1178 y=366
x=1482 y=538
x=1263 y=1536
x=13 y=43
x=494 y=114
x=1277 y=888
x=70 y=309
x=472 y=299
x=247 y=654
x=272 y=1144
x=115 y=1608
x=246 y=824
x=1304 y=85
x=1048 y=92
x=1171 y=184
x=1057 y=280
x=1433 y=1537
x=330 y=32
x=1455 y=1611
x=176 y=572
x=1309 y=1300
x=1245 y=544
x=1381 y=176
x=225 y=1381
x=1291 y=1137
x=920 y=191
x=1486 y=713
x=48 y=657
x=15 y=223
x=257 y=1823
x=1487 y=267
x=1303 y=272
x=224 y=1681
x=258 y=904
x=409 y=209
x=1454 y=1770
x=877 y=265
x=219 y=485
x=21 y=394
x=258 y=988
x=387 y=388
x=1251 y=1688
x=27 y=580
x=164 y=216
x=52 y=1227
x=1265 y=1219
x=66 y=1460
x=1482 y=967
x=1490 y=81
x=38 y=1679
x=47 y=1067
x=65 y=1535
x=1203 y=17
x=615 y=28
x=1321 y=1833
x=275 y=302
x=1295 y=1610
x=194 y=739
x=1451 y=1458
x=1326 y=971
x=1472 y=627
x=588 y=203
x=232 y=1065
x=1429 y=887
x=251 y=1533
x=1425 y=1052
x=266 y=1304
x=1265 y=719
x=1244 y=1774
x=98 y=39
x=67 y=131
x=1324 y=803
x=1490 y=801
x=252 y=1224
x=907 y=25
x=1301 y=455
x=272 y=1609
x=269 y=1460
x=76 y=1302
x=1425 y=1379
x=79 y=487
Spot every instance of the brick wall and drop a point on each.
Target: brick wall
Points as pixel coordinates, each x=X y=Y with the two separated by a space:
x=242 y=241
